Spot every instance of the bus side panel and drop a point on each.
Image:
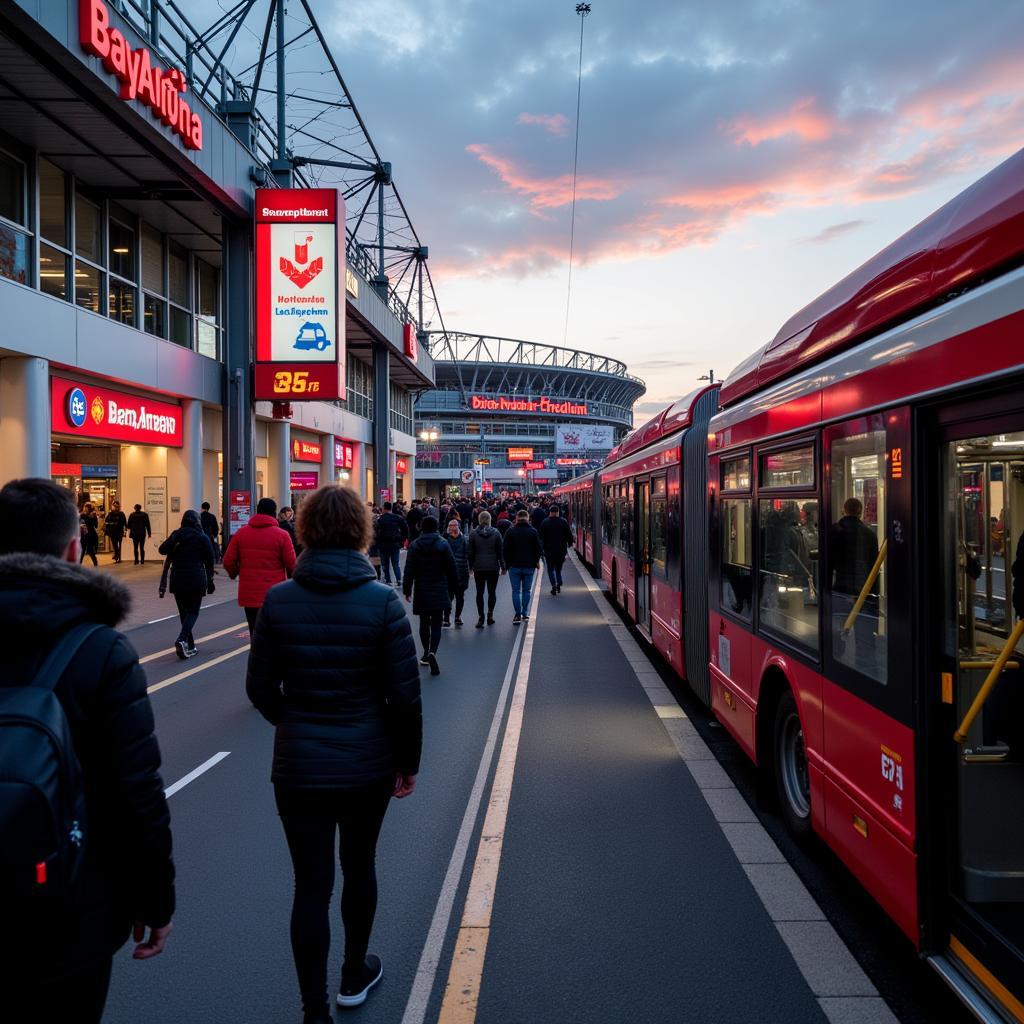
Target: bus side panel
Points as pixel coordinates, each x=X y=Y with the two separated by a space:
x=730 y=674
x=666 y=623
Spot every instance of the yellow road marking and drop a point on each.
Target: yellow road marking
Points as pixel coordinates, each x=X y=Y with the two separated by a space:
x=198 y=668
x=202 y=639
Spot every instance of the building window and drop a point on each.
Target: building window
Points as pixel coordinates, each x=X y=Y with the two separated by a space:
x=88 y=229
x=359 y=388
x=154 y=319
x=14 y=243
x=208 y=310
x=53 y=204
x=121 y=302
x=178 y=274
x=401 y=409
x=180 y=327
x=88 y=285
x=53 y=271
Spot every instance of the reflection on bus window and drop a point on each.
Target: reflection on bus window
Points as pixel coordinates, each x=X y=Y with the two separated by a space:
x=789 y=573
x=736 y=556
x=857 y=561
x=659 y=533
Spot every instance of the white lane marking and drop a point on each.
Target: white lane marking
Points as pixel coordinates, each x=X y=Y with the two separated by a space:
x=198 y=668
x=153 y=622
x=195 y=773
x=426 y=972
x=202 y=639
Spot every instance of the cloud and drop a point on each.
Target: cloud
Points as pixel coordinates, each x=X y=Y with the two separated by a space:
x=556 y=124
x=833 y=231
x=803 y=120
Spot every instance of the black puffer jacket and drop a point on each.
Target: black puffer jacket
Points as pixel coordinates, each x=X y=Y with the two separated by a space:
x=333 y=666
x=556 y=538
x=521 y=547
x=129 y=874
x=430 y=565
x=192 y=554
x=461 y=556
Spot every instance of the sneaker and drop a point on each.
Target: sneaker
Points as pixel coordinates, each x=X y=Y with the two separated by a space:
x=490 y=620
x=447 y=624
x=191 y=652
x=181 y=649
x=432 y=662
x=353 y=990
x=516 y=619
x=525 y=616
x=480 y=622
x=554 y=590
x=458 y=622
x=425 y=660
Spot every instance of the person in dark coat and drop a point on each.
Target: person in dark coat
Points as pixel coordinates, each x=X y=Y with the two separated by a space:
x=114 y=526
x=88 y=528
x=211 y=528
x=430 y=573
x=139 y=529
x=286 y=520
x=556 y=539
x=127 y=880
x=521 y=551
x=465 y=510
x=412 y=519
x=333 y=668
x=189 y=554
x=1017 y=573
x=457 y=542
x=852 y=551
x=538 y=514
x=390 y=534
x=484 y=552
x=503 y=523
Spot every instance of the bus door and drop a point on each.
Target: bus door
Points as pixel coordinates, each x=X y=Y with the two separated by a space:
x=984 y=483
x=643 y=555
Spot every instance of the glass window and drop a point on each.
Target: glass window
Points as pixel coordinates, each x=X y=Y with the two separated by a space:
x=13 y=254
x=857 y=553
x=737 y=556
x=88 y=240
x=53 y=210
x=178 y=274
x=792 y=468
x=12 y=189
x=53 y=271
x=789 y=584
x=180 y=321
x=87 y=286
x=152 y=260
x=659 y=532
x=736 y=474
x=206 y=291
x=206 y=338
x=122 y=250
x=122 y=303
x=155 y=316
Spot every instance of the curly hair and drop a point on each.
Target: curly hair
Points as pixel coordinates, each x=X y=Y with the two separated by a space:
x=334 y=517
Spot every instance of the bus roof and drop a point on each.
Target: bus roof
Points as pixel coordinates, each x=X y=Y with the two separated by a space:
x=670 y=420
x=976 y=234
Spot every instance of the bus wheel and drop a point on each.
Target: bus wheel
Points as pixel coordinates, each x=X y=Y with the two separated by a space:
x=792 y=778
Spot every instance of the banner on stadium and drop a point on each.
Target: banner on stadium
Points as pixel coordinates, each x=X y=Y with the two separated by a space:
x=584 y=437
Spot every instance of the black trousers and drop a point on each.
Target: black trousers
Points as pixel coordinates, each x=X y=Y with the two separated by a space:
x=139 y=545
x=430 y=630
x=488 y=578
x=115 y=543
x=188 y=611
x=460 y=603
x=88 y=551
x=250 y=617
x=312 y=819
x=84 y=989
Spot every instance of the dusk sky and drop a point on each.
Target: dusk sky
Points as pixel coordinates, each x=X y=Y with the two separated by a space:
x=735 y=160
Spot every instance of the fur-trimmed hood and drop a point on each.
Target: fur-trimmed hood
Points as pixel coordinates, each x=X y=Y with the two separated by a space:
x=41 y=595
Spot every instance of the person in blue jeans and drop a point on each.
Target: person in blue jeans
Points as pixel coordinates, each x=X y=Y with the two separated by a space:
x=521 y=551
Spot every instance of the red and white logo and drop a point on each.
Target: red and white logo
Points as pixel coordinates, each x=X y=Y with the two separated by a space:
x=300 y=278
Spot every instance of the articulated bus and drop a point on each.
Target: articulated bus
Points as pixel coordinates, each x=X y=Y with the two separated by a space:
x=863 y=504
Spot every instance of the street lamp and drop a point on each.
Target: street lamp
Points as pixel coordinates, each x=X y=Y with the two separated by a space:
x=428 y=435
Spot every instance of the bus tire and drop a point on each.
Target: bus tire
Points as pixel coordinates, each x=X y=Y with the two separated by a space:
x=792 y=775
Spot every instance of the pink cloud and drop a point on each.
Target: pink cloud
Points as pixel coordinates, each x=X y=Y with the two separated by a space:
x=556 y=124
x=544 y=193
x=802 y=120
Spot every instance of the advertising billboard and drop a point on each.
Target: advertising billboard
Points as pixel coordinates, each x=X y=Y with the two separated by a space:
x=300 y=294
x=584 y=437
x=101 y=412
x=520 y=454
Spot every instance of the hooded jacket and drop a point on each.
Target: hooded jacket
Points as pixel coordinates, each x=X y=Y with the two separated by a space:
x=484 y=550
x=459 y=553
x=191 y=553
x=521 y=546
x=128 y=871
x=431 y=578
x=333 y=667
x=260 y=555
x=556 y=538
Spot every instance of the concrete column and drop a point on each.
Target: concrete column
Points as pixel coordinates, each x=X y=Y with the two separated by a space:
x=185 y=464
x=381 y=424
x=327 y=474
x=24 y=418
x=279 y=455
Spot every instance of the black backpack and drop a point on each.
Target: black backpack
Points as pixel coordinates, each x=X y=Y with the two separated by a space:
x=42 y=802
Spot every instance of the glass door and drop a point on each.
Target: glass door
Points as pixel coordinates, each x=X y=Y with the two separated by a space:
x=643 y=554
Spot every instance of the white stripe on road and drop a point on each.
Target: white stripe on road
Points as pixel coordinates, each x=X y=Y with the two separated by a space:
x=202 y=639
x=198 y=668
x=195 y=773
x=426 y=972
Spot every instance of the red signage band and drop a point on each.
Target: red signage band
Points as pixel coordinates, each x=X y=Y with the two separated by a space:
x=306 y=451
x=543 y=405
x=534 y=465
x=159 y=88
x=65 y=469
x=520 y=454
x=409 y=341
x=304 y=481
x=281 y=382
x=291 y=205
x=89 y=410
x=401 y=466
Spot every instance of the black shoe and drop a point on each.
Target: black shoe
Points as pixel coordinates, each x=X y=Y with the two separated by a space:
x=425 y=660
x=432 y=662
x=447 y=624
x=516 y=620
x=320 y=1017
x=559 y=588
x=490 y=620
x=353 y=990
x=554 y=590
x=192 y=651
x=480 y=622
x=136 y=561
x=458 y=622
x=181 y=649
x=525 y=616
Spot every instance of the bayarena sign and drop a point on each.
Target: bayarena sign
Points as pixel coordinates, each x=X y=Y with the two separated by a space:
x=300 y=294
x=543 y=405
x=98 y=412
x=158 y=88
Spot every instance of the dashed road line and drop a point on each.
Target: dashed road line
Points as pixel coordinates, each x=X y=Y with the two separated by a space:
x=198 y=668
x=195 y=773
x=170 y=650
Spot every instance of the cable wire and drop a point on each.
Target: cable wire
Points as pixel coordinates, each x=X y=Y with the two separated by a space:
x=582 y=10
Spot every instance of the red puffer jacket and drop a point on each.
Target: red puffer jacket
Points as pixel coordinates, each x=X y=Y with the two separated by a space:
x=260 y=555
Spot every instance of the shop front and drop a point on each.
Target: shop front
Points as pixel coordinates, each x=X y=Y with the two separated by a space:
x=344 y=461
x=401 y=475
x=307 y=452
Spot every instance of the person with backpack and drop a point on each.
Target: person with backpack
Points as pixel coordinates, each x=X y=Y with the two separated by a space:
x=431 y=576
x=139 y=528
x=76 y=729
x=390 y=534
x=189 y=565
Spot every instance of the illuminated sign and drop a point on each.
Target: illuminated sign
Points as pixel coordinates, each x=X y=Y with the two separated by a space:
x=65 y=469
x=401 y=466
x=344 y=454
x=159 y=88
x=584 y=437
x=533 y=465
x=570 y=462
x=300 y=316
x=409 y=341
x=306 y=451
x=99 y=412
x=543 y=405
x=304 y=481
x=520 y=454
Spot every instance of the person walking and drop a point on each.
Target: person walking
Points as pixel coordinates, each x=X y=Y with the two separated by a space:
x=189 y=564
x=259 y=555
x=412 y=519
x=333 y=669
x=58 y=626
x=484 y=552
x=430 y=572
x=286 y=520
x=114 y=526
x=555 y=539
x=521 y=551
x=457 y=542
x=139 y=528
x=88 y=528
x=211 y=528
x=390 y=534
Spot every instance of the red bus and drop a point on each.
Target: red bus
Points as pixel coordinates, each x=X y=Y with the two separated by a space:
x=864 y=505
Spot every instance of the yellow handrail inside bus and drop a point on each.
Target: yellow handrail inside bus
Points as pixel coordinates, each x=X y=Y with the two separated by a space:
x=988 y=664
x=866 y=589
x=990 y=681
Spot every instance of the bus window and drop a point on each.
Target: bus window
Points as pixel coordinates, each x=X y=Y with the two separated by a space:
x=789 y=583
x=659 y=524
x=857 y=553
x=736 y=558
x=788 y=468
